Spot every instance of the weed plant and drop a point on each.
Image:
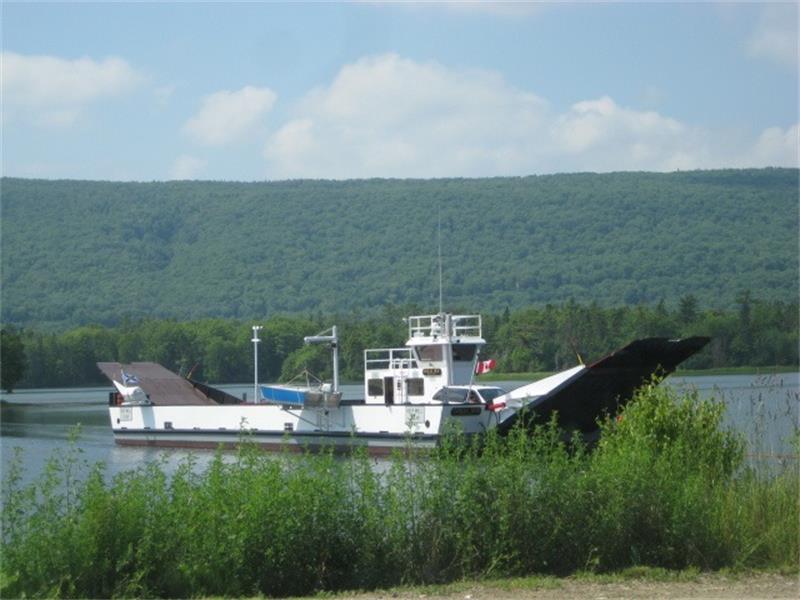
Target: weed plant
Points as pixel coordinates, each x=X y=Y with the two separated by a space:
x=666 y=487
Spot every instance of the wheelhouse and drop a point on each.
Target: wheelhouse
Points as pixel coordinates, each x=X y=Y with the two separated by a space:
x=441 y=352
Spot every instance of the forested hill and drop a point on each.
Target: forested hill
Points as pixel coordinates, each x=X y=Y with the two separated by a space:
x=78 y=251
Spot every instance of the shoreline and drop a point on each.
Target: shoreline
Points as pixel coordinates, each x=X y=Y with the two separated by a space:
x=533 y=376
x=492 y=377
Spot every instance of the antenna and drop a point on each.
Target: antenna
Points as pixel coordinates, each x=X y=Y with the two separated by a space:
x=439 y=231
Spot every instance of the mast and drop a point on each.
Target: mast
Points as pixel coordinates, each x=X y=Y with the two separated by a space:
x=255 y=340
x=439 y=231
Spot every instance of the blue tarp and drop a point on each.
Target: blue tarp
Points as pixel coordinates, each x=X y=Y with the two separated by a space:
x=283 y=395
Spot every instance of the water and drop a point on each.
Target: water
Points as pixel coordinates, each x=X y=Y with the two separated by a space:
x=765 y=408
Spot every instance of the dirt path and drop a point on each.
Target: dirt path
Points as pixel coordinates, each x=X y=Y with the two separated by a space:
x=755 y=586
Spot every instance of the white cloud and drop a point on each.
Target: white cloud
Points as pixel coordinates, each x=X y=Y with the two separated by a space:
x=296 y=138
x=53 y=91
x=226 y=116
x=386 y=116
x=775 y=35
x=389 y=116
x=777 y=147
x=605 y=136
x=187 y=167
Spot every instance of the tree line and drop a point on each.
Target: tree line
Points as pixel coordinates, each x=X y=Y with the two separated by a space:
x=754 y=333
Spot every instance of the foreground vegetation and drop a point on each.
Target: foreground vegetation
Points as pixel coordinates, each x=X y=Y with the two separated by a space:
x=666 y=488
x=756 y=333
x=80 y=252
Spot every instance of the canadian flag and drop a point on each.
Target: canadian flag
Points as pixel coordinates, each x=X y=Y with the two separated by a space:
x=484 y=366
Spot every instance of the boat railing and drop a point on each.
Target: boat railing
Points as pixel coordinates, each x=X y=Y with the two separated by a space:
x=444 y=325
x=389 y=358
x=466 y=325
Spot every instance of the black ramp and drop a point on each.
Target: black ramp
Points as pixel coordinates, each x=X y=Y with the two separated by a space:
x=607 y=384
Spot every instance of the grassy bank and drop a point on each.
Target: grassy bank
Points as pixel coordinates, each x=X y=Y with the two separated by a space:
x=665 y=488
x=635 y=582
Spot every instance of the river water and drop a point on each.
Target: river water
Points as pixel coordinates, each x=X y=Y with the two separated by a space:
x=765 y=408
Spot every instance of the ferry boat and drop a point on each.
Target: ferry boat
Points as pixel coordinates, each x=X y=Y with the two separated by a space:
x=411 y=395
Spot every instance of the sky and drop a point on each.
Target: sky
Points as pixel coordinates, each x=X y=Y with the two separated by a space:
x=272 y=91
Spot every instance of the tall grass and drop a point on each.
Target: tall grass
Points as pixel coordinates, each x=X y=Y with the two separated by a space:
x=665 y=487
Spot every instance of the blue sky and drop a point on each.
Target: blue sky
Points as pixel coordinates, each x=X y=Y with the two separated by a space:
x=254 y=91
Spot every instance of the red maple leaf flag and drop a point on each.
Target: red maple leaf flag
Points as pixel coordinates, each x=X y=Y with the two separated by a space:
x=484 y=366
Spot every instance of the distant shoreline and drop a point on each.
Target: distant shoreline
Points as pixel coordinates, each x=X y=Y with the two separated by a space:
x=680 y=373
x=492 y=377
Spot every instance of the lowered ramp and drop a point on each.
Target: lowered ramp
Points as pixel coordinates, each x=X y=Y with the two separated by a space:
x=162 y=386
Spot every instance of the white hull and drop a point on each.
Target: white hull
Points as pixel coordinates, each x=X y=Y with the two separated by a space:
x=376 y=427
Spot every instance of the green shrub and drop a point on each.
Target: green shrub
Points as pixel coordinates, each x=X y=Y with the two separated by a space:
x=664 y=488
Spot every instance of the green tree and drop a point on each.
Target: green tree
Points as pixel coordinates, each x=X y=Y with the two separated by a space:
x=687 y=309
x=312 y=358
x=13 y=361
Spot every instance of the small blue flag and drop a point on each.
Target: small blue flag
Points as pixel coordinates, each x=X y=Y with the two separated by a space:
x=128 y=379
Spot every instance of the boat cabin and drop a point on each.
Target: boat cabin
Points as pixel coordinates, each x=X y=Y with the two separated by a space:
x=440 y=355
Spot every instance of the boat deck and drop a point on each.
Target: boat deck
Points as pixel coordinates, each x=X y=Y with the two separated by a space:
x=162 y=386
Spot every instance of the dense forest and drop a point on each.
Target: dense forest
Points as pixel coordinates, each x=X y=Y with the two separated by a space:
x=77 y=252
x=755 y=333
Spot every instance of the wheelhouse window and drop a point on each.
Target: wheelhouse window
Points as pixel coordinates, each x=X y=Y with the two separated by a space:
x=464 y=352
x=375 y=387
x=415 y=386
x=429 y=352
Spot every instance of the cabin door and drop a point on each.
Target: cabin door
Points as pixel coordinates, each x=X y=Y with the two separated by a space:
x=388 y=390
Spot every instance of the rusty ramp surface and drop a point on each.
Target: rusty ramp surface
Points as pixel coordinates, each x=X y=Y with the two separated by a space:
x=163 y=386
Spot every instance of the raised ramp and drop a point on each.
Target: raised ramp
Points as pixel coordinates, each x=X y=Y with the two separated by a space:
x=165 y=387
x=604 y=386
